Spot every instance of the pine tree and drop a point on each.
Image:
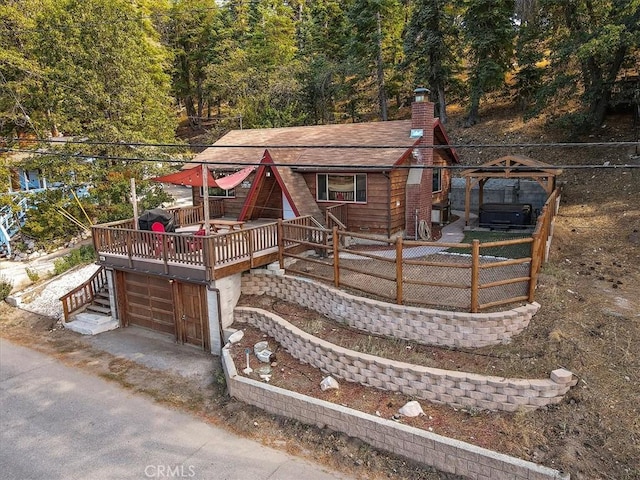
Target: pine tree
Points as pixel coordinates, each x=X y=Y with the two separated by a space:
x=428 y=46
x=489 y=32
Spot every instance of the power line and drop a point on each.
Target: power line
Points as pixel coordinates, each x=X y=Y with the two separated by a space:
x=372 y=147
x=520 y=168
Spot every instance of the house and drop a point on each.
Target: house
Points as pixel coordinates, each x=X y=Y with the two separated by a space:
x=376 y=171
x=381 y=173
x=24 y=179
x=20 y=180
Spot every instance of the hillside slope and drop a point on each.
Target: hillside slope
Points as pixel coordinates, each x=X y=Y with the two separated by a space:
x=589 y=322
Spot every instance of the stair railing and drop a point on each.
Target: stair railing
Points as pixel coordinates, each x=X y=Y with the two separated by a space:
x=83 y=295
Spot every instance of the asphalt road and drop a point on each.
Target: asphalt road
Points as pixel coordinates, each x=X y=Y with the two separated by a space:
x=58 y=422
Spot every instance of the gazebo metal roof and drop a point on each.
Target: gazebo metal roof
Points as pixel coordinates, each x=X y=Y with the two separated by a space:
x=509 y=166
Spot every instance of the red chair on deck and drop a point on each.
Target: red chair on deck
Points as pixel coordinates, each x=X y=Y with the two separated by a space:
x=158 y=228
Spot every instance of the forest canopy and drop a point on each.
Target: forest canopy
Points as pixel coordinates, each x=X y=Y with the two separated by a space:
x=125 y=70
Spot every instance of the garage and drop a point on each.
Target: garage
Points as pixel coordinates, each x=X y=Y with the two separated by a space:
x=166 y=306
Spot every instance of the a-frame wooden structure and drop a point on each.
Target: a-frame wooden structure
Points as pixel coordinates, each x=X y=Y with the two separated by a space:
x=266 y=183
x=509 y=166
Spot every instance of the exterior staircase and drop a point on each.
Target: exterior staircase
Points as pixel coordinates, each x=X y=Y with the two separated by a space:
x=10 y=223
x=96 y=317
x=101 y=304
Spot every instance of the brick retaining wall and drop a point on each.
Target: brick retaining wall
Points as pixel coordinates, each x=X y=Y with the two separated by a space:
x=420 y=325
x=440 y=452
x=454 y=388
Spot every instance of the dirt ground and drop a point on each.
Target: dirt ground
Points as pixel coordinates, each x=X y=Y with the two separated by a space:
x=589 y=323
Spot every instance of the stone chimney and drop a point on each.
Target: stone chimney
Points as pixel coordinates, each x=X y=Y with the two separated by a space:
x=420 y=180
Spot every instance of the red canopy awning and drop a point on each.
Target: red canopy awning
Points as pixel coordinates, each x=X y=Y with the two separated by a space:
x=191 y=177
x=233 y=180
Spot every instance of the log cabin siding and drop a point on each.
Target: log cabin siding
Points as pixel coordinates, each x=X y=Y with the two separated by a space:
x=398 y=202
x=442 y=196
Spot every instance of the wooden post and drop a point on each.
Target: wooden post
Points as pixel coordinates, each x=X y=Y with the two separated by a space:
x=129 y=247
x=209 y=256
x=475 y=275
x=134 y=201
x=399 y=274
x=65 y=310
x=205 y=197
x=165 y=251
x=535 y=266
x=281 y=243
x=249 y=238
x=467 y=201
x=336 y=257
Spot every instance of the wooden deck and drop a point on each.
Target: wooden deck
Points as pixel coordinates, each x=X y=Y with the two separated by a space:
x=186 y=256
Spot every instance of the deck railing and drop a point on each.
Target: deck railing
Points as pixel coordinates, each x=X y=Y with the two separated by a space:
x=193 y=215
x=189 y=250
x=83 y=295
x=336 y=216
x=187 y=215
x=467 y=275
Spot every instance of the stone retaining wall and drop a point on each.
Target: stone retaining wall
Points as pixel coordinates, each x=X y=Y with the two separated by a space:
x=420 y=325
x=455 y=388
x=445 y=454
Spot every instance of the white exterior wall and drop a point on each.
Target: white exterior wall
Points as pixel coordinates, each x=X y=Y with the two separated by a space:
x=230 y=290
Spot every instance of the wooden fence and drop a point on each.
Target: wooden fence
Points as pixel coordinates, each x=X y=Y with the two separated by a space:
x=419 y=272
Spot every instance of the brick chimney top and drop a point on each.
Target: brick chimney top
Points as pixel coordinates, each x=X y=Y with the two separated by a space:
x=421 y=94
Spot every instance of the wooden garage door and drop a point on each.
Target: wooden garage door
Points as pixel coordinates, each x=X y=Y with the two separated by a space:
x=193 y=323
x=149 y=303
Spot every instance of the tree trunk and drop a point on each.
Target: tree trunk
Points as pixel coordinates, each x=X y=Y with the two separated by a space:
x=598 y=109
x=473 y=117
x=191 y=110
x=382 y=96
x=442 y=104
x=200 y=98
x=52 y=124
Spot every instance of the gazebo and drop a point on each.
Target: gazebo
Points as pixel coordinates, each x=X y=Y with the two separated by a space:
x=509 y=166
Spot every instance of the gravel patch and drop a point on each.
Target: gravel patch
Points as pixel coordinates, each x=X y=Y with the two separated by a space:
x=44 y=299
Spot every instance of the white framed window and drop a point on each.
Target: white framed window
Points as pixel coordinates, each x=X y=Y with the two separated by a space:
x=437 y=180
x=342 y=188
x=219 y=192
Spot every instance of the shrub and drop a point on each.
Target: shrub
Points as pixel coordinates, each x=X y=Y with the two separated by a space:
x=80 y=256
x=6 y=286
x=33 y=274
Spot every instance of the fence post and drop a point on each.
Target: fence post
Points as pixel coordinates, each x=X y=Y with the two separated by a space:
x=475 y=275
x=209 y=256
x=399 y=274
x=280 y=243
x=65 y=310
x=249 y=236
x=535 y=266
x=336 y=257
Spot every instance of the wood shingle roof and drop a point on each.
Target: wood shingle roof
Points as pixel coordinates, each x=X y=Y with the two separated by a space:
x=310 y=146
